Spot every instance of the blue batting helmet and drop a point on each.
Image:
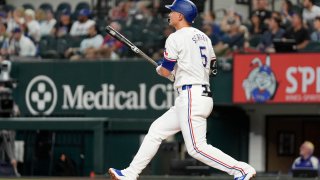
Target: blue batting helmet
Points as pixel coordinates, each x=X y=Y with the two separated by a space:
x=185 y=7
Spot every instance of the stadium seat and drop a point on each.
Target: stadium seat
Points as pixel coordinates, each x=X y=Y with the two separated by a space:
x=82 y=5
x=28 y=6
x=101 y=23
x=62 y=46
x=48 y=47
x=8 y=7
x=64 y=6
x=297 y=9
x=46 y=6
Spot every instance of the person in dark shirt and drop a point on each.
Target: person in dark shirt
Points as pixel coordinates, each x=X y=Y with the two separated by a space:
x=315 y=36
x=65 y=166
x=63 y=26
x=298 y=33
x=262 y=10
x=257 y=28
x=234 y=38
x=287 y=11
x=274 y=32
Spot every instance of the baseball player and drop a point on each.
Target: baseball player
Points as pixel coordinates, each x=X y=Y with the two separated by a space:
x=189 y=56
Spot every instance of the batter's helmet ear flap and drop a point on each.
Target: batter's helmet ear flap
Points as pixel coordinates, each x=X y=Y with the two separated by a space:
x=185 y=7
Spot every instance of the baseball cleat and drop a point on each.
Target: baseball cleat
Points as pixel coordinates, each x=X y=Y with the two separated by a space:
x=116 y=174
x=248 y=176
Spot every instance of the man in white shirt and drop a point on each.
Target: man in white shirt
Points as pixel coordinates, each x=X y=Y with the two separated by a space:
x=88 y=47
x=47 y=25
x=21 y=45
x=310 y=11
x=80 y=27
x=95 y=40
x=32 y=25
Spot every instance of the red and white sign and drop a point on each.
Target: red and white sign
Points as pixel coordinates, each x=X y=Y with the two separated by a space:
x=276 y=78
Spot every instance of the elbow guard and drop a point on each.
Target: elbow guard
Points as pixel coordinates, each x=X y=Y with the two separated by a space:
x=213 y=67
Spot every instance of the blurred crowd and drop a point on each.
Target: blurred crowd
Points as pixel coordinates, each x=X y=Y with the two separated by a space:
x=64 y=34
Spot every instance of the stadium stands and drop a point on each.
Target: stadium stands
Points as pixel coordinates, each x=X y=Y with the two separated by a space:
x=144 y=26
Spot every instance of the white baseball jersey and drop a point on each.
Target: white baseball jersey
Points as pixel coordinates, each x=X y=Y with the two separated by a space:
x=188 y=53
x=192 y=50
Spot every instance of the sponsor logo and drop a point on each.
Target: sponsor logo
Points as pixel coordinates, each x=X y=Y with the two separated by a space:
x=108 y=98
x=41 y=95
x=43 y=98
x=260 y=85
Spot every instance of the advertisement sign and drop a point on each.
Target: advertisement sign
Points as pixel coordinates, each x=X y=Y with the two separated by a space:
x=116 y=89
x=95 y=89
x=276 y=78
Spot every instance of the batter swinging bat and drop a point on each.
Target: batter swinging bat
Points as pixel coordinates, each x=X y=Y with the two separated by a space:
x=114 y=33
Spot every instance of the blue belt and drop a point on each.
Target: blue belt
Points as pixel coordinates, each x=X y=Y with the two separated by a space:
x=206 y=92
x=184 y=87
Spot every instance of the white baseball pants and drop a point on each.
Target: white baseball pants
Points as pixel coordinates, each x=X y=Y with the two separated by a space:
x=189 y=116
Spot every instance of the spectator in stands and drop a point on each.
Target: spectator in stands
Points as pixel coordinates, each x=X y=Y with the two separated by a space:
x=80 y=27
x=310 y=11
x=262 y=10
x=299 y=33
x=40 y=15
x=256 y=28
x=15 y=19
x=208 y=30
x=231 y=16
x=88 y=46
x=274 y=32
x=4 y=39
x=32 y=25
x=315 y=36
x=165 y=34
x=111 y=48
x=277 y=15
x=233 y=39
x=287 y=11
x=63 y=27
x=214 y=32
x=119 y=12
x=20 y=45
x=3 y=18
x=3 y=32
x=48 y=24
x=306 y=159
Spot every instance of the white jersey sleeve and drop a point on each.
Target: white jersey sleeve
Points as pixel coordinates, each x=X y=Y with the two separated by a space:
x=192 y=51
x=171 y=49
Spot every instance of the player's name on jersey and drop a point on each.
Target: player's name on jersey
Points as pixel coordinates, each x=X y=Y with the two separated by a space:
x=199 y=37
x=158 y=97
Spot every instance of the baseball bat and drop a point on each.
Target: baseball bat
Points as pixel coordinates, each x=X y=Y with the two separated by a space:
x=114 y=33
